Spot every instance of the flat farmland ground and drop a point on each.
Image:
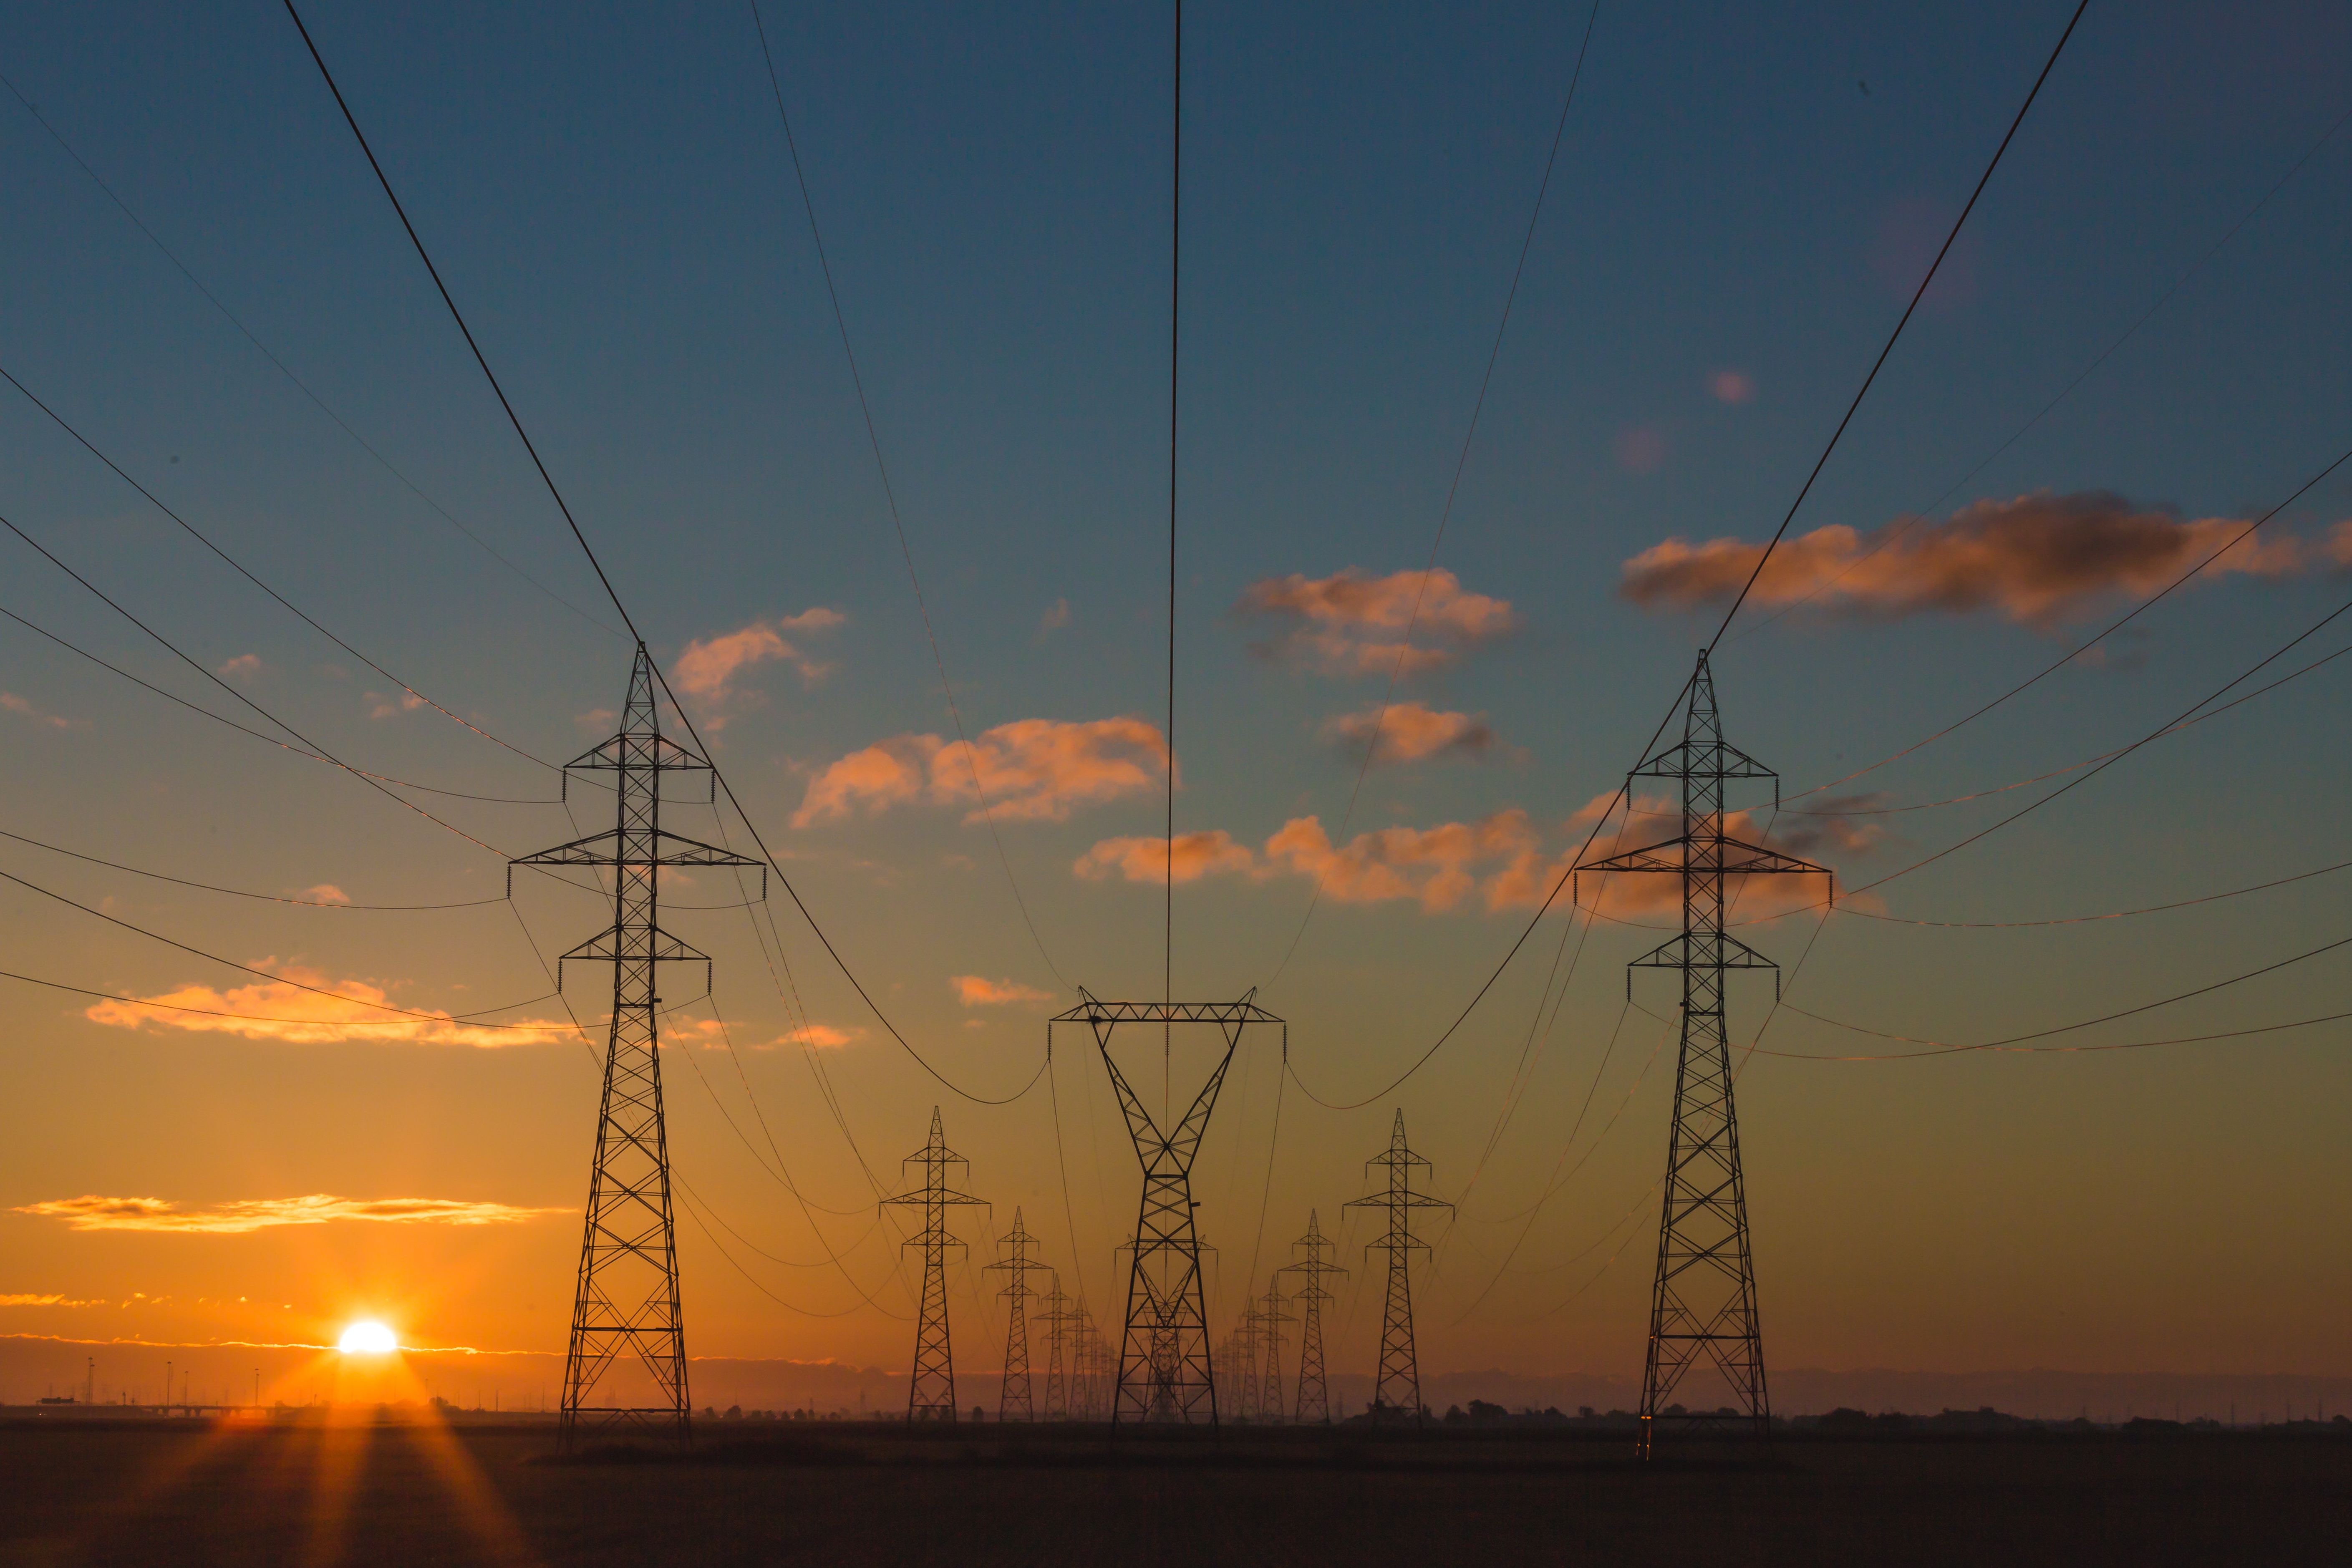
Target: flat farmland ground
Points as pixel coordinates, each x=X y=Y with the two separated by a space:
x=96 y=1492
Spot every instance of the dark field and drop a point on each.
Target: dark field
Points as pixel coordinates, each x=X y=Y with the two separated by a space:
x=188 y=1493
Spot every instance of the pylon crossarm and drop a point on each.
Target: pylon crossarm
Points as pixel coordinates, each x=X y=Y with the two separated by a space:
x=1736 y=858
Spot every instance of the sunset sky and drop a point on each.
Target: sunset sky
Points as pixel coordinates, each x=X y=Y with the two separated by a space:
x=1743 y=200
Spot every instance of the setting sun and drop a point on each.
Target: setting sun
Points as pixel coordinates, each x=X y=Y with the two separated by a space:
x=367 y=1339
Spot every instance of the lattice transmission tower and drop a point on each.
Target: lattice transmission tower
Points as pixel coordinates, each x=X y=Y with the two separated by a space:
x=1314 y=1401
x=1164 y=1371
x=1013 y=1401
x=1703 y=1302
x=1270 y=1318
x=1058 y=1319
x=1397 y=1395
x=931 y=1394
x=1247 y=1336
x=626 y=1303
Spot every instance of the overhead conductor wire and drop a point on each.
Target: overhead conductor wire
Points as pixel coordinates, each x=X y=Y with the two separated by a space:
x=1445 y=514
x=1623 y=790
x=580 y=537
x=890 y=494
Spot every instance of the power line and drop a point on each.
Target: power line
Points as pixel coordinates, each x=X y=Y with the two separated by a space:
x=265 y=975
x=2154 y=734
x=239 y=892
x=2065 y=392
x=466 y=1018
x=586 y=548
x=315 y=749
x=1919 y=294
x=238 y=566
x=890 y=494
x=1941 y=1050
x=283 y=369
x=270 y=740
x=1445 y=514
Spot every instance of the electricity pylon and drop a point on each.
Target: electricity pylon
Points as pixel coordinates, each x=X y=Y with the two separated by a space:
x=1058 y=1319
x=1314 y=1401
x=1703 y=1302
x=1269 y=1323
x=1013 y=1399
x=930 y=1395
x=1164 y=1371
x=1244 y=1343
x=627 y=1300
x=1397 y=1395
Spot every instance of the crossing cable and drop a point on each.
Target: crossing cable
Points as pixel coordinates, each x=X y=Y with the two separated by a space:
x=1445 y=514
x=890 y=495
x=314 y=749
x=1623 y=790
x=2008 y=1041
x=239 y=892
x=1918 y=295
x=2065 y=392
x=1945 y=1050
x=270 y=740
x=466 y=1018
x=283 y=369
x=282 y=980
x=602 y=577
x=2157 y=733
x=238 y=566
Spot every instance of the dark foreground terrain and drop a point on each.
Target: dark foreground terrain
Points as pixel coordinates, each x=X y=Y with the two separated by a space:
x=306 y=1495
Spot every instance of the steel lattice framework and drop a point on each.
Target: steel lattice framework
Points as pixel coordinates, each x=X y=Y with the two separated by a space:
x=1314 y=1401
x=1703 y=1305
x=627 y=1300
x=1058 y=1318
x=1270 y=1318
x=930 y=1395
x=1013 y=1401
x=1165 y=1364
x=1397 y=1394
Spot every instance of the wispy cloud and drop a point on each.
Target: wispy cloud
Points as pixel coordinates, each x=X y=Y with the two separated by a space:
x=1057 y=617
x=244 y=667
x=978 y=991
x=1031 y=769
x=1410 y=732
x=93 y=1211
x=708 y=666
x=23 y=707
x=1351 y=623
x=380 y=706
x=2037 y=560
x=21 y=1298
x=325 y=894
x=1197 y=855
x=274 y=1010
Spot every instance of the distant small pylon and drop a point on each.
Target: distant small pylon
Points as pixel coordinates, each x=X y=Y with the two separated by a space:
x=931 y=1394
x=1012 y=1401
x=1059 y=1320
x=1397 y=1394
x=1271 y=1318
x=1313 y=1403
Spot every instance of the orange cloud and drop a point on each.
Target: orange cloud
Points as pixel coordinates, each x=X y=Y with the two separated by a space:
x=1353 y=624
x=2037 y=560
x=1197 y=855
x=1410 y=732
x=976 y=991
x=1435 y=865
x=93 y=1212
x=1031 y=769
x=383 y=707
x=21 y=1298
x=271 y=1010
x=707 y=667
x=244 y=667
x=325 y=894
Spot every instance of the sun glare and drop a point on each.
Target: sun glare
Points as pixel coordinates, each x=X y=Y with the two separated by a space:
x=367 y=1339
